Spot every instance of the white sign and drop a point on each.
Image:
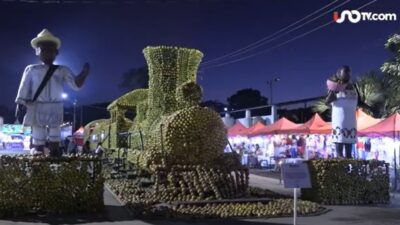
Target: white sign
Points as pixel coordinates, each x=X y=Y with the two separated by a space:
x=296 y=175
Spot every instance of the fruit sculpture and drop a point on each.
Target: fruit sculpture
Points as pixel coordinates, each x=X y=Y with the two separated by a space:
x=180 y=145
x=170 y=129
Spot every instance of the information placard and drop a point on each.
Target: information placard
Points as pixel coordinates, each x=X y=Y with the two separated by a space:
x=296 y=175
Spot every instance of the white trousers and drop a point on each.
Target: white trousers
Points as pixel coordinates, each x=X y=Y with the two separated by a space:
x=41 y=134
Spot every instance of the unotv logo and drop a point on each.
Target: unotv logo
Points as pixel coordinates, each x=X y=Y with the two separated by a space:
x=354 y=16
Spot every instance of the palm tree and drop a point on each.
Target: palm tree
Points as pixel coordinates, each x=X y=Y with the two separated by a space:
x=321 y=107
x=391 y=80
x=371 y=93
x=391 y=101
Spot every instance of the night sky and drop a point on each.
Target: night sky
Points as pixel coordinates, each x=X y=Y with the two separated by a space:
x=111 y=38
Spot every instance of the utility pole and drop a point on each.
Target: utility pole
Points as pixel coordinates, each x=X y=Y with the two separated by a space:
x=271 y=83
x=81 y=124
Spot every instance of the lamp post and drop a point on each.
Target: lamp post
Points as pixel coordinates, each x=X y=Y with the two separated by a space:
x=271 y=83
x=65 y=96
x=73 y=125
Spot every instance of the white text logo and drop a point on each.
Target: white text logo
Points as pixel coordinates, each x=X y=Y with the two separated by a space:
x=355 y=16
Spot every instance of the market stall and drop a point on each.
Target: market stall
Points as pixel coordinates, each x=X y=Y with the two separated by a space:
x=281 y=126
x=312 y=126
x=237 y=130
x=79 y=136
x=389 y=128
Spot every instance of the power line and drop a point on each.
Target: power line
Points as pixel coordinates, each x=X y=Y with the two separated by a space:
x=287 y=32
x=279 y=45
x=265 y=38
x=301 y=25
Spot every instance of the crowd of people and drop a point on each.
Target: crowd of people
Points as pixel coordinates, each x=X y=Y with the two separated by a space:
x=268 y=150
x=69 y=146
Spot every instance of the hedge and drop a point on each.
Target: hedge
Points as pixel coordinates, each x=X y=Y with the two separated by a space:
x=347 y=182
x=62 y=185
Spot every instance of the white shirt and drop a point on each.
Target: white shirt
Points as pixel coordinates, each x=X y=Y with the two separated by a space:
x=344 y=124
x=33 y=76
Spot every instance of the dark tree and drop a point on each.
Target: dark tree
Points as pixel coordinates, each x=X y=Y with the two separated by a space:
x=246 y=98
x=215 y=105
x=135 y=78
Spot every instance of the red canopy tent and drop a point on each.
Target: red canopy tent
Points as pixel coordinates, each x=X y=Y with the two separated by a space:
x=315 y=125
x=364 y=120
x=390 y=127
x=326 y=129
x=237 y=130
x=282 y=126
x=255 y=129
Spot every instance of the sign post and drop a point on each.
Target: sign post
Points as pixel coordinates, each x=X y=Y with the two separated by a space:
x=294 y=205
x=295 y=175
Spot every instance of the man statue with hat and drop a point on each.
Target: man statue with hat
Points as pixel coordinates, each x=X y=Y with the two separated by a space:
x=40 y=93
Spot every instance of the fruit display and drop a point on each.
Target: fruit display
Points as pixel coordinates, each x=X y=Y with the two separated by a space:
x=129 y=100
x=274 y=208
x=188 y=94
x=195 y=182
x=169 y=67
x=145 y=202
x=257 y=192
x=348 y=182
x=65 y=185
x=193 y=135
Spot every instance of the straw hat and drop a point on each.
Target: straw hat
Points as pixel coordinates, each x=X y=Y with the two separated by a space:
x=45 y=35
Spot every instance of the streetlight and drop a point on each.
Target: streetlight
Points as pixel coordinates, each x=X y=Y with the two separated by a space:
x=65 y=96
x=270 y=83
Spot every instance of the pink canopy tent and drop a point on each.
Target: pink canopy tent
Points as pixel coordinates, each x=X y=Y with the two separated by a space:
x=390 y=127
x=363 y=121
x=282 y=126
x=255 y=129
x=313 y=126
x=237 y=130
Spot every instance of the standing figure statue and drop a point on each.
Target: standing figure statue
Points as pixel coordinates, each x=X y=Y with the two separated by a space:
x=344 y=97
x=40 y=93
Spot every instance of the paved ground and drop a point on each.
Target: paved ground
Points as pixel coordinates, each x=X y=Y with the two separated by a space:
x=338 y=215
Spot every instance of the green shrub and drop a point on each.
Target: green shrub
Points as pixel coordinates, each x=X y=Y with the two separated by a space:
x=347 y=181
x=51 y=185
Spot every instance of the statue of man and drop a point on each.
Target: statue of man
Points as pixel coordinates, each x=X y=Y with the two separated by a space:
x=44 y=106
x=343 y=97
